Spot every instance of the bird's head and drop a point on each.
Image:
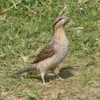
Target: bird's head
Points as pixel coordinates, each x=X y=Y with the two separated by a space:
x=60 y=22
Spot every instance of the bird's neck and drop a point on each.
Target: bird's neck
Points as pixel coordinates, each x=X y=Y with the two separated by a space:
x=59 y=33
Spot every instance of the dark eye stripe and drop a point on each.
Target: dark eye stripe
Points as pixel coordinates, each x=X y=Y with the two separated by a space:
x=57 y=20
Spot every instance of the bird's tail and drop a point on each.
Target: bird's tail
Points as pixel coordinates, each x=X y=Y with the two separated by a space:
x=25 y=69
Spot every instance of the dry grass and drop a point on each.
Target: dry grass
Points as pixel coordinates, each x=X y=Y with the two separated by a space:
x=23 y=33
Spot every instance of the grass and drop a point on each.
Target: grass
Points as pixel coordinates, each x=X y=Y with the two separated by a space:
x=27 y=26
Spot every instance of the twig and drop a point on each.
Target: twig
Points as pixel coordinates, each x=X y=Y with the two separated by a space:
x=5 y=11
x=63 y=10
x=27 y=7
x=32 y=13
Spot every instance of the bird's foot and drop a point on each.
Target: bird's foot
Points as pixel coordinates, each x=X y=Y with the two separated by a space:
x=47 y=85
x=59 y=78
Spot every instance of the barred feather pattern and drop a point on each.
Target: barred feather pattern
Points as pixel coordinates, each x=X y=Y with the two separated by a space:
x=25 y=69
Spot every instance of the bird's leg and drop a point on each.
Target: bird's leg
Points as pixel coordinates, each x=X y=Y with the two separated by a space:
x=42 y=76
x=53 y=70
x=43 y=80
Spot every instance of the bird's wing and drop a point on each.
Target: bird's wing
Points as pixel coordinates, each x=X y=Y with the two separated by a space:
x=45 y=53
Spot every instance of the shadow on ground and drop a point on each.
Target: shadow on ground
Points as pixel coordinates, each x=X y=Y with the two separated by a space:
x=64 y=73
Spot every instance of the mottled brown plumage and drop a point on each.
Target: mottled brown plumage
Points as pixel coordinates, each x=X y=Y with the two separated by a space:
x=45 y=53
x=53 y=53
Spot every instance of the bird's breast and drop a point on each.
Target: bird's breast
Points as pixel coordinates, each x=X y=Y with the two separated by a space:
x=61 y=48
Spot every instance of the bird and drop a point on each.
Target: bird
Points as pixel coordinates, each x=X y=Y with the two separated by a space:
x=52 y=53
